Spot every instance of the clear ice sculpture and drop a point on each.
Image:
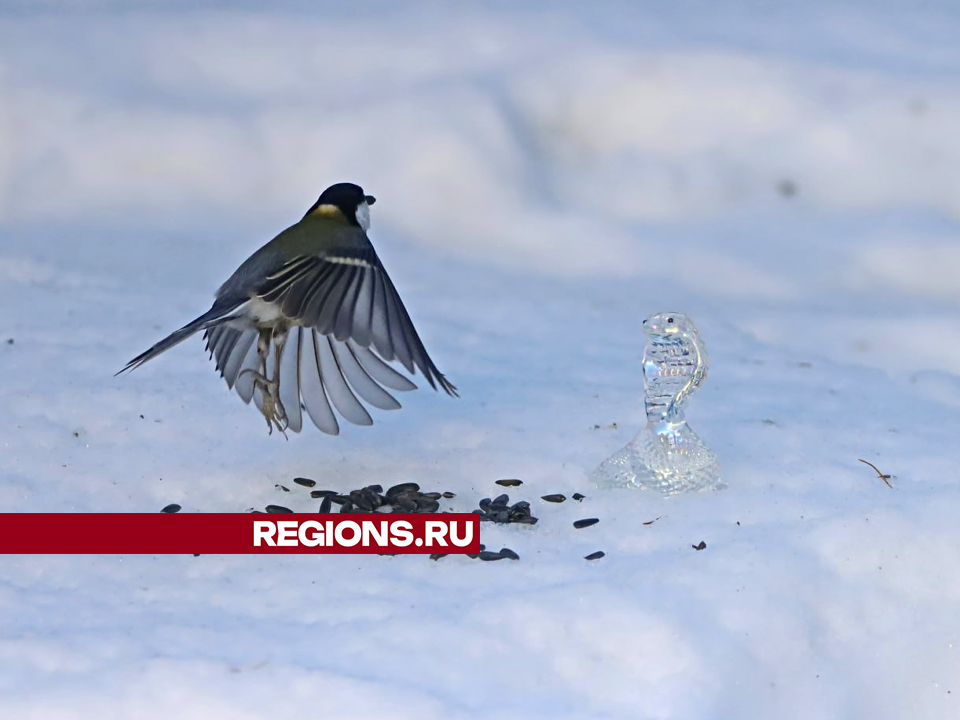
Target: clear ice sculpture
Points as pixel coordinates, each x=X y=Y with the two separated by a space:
x=667 y=455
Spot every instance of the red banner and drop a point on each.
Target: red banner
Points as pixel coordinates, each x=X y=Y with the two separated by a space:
x=237 y=533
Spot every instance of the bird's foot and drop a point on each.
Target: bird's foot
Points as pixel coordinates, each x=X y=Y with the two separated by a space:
x=271 y=407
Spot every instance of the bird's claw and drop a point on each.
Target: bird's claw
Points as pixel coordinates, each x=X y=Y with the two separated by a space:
x=271 y=406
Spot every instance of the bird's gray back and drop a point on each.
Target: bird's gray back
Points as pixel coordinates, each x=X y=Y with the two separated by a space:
x=312 y=236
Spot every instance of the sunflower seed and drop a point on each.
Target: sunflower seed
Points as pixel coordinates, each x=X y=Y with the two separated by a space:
x=501 y=500
x=326 y=505
x=171 y=508
x=508 y=554
x=594 y=555
x=476 y=555
x=701 y=546
x=427 y=505
x=360 y=500
x=578 y=497
x=402 y=488
x=306 y=482
x=448 y=494
x=556 y=498
x=509 y=483
x=346 y=507
x=282 y=487
x=277 y=509
x=585 y=523
x=372 y=497
x=374 y=488
x=323 y=493
x=404 y=505
x=490 y=555
x=431 y=495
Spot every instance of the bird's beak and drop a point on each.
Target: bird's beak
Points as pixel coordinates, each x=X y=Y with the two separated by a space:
x=370 y=199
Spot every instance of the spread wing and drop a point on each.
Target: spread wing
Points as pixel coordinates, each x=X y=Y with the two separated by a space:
x=348 y=295
x=349 y=322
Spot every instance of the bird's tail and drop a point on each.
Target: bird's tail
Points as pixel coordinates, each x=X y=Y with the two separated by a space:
x=209 y=319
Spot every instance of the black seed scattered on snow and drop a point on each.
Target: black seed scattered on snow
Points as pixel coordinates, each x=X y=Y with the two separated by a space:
x=404 y=505
x=498 y=510
x=171 y=508
x=594 y=555
x=407 y=498
x=701 y=546
x=402 y=488
x=586 y=522
x=426 y=505
x=578 y=497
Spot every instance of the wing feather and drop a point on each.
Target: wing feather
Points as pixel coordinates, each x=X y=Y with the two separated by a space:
x=379 y=371
x=290 y=379
x=311 y=386
x=361 y=382
x=251 y=361
x=336 y=385
x=238 y=353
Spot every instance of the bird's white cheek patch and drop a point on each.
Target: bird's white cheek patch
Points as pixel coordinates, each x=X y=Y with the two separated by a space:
x=363 y=215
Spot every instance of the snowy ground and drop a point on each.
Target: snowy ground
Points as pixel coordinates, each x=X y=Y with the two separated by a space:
x=546 y=177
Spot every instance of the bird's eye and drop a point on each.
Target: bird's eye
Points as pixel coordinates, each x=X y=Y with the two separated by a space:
x=670 y=320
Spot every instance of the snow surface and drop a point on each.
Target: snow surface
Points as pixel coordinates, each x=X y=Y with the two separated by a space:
x=788 y=174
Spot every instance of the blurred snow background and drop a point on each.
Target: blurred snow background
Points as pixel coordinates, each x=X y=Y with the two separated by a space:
x=788 y=174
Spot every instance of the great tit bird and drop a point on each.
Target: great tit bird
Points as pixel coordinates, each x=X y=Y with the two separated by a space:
x=310 y=321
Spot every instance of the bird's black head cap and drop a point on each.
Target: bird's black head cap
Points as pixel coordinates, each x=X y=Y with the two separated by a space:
x=342 y=198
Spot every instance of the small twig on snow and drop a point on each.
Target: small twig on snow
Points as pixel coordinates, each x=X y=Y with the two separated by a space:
x=885 y=478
